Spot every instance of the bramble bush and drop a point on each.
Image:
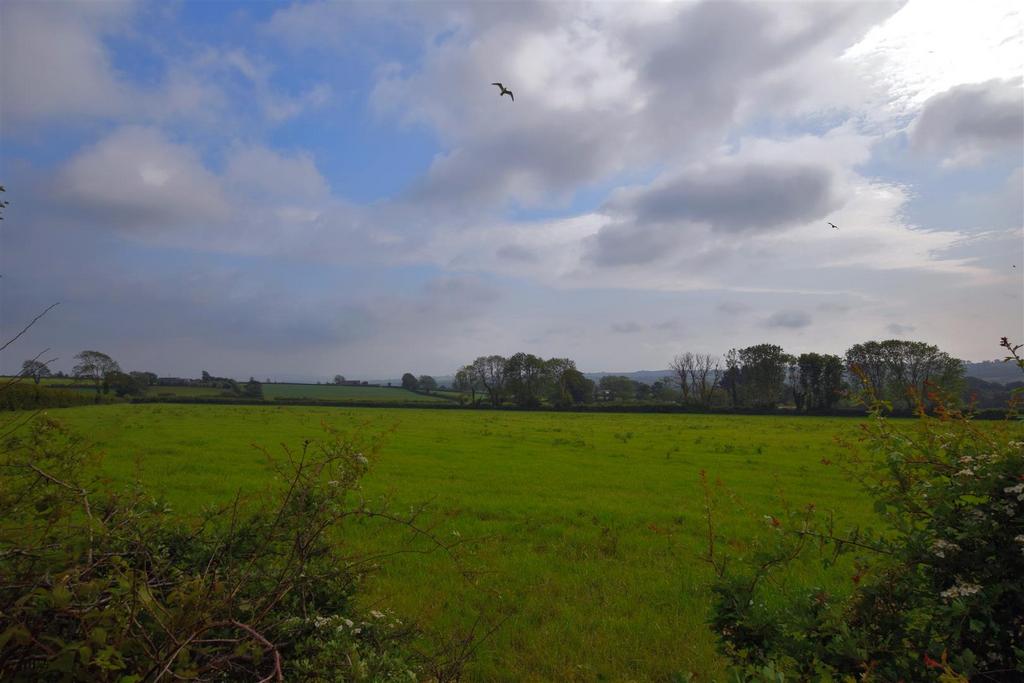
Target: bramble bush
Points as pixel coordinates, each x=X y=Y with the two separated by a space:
x=98 y=584
x=936 y=593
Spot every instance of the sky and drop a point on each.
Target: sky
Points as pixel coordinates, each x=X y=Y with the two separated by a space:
x=295 y=190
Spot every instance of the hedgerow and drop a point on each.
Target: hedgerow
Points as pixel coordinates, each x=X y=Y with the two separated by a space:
x=935 y=593
x=101 y=584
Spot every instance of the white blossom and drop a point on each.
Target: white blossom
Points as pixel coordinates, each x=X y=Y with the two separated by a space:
x=940 y=547
x=960 y=589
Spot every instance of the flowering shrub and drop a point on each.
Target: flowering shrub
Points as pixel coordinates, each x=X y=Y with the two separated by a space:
x=99 y=585
x=936 y=594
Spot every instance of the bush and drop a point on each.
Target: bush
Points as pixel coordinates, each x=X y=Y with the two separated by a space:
x=102 y=585
x=937 y=594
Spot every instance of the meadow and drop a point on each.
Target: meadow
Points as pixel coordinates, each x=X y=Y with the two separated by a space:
x=581 y=536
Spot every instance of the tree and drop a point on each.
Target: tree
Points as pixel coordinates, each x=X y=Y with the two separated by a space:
x=898 y=369
x=795 y=382
x=146 y=379
x=467 y=382
x=763 y=374
x=410 y=382
x=252 y=389
x=730 y=380
x=565 y=384
x=427 y=383
x=123 y=384
x=95 y=366
x=339 y=379
x=620 y=387
x=35 y=369
x=680 y=365
x=490 y=371
x=661 y=390
x=703 y=371
x=525 y=377
x=821 y=380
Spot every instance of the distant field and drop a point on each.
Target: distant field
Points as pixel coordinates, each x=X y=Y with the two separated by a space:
x=206 y=392
x=590 y=526
x=331 y=392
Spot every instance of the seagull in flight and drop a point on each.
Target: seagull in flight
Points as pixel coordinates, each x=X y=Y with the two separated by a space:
x=505 y=91
x=833 y=225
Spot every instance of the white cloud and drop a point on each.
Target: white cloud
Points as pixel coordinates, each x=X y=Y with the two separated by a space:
x=53 y=64
x=135 y=179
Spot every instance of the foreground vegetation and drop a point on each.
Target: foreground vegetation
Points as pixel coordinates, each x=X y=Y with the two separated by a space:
x=581 y=537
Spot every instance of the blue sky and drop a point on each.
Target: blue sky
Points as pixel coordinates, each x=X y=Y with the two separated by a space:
x=297 y=190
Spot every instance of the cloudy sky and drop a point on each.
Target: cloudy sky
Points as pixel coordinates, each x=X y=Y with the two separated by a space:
x=299 y=190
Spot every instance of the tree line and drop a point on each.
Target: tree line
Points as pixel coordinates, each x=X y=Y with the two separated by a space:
x=106 y=375
x=758 y=377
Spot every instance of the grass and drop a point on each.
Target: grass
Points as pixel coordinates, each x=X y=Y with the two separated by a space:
x=589 y=528
x=331 y=392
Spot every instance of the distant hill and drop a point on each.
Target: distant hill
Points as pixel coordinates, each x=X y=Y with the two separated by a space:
x=994 y=371
x=645 y=376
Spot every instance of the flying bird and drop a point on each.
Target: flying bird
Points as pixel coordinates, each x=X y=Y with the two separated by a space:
x=833 y=225
x=505 y=91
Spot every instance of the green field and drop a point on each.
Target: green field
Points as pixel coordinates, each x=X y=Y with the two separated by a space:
x=199 y=392
x=589 y=528
x=331 y=392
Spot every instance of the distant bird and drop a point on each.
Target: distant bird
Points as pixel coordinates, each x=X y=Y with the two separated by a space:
x=505 y=91
x=833 y=225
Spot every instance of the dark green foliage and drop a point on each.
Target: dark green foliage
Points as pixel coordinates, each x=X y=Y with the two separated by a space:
x=100 y=585
x=94 y=366
x=410 y=382
x=25 y=396
x=896 y=371
x=123 y=384
x=526 y=379
x=820 y=380
x=252 y=389
x=938 y=594
x=145 y=379
x=426 y=383
x=618 y=388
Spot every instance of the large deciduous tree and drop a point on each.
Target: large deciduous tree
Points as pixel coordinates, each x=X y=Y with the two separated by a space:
x=94 y=366
x=427 y=383
x=490 y=370
x=763 y=374
x=410 y=382
x=821 y=380
x=467 y=382
x=526 y=376
x=36 y=369
x=680 y=365
x=899 y=371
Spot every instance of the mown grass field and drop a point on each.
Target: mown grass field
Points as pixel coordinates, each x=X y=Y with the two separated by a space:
x=331 y=392
x=589 y=528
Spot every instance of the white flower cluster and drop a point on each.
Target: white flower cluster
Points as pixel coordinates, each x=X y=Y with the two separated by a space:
x=1018 y=489
x=960 y=589
x=940 y=547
